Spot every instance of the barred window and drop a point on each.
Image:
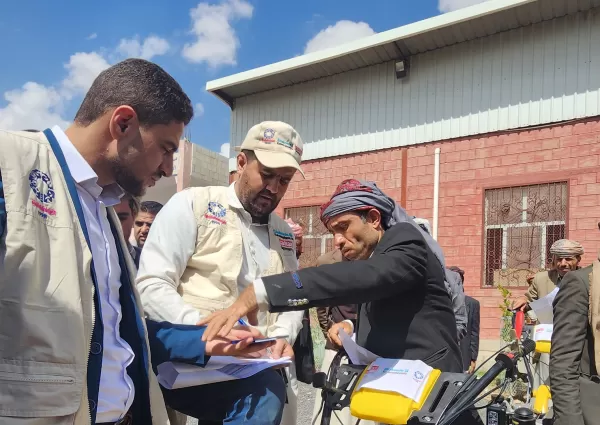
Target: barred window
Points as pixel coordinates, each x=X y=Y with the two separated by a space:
x=317 y=240
x=521 y=223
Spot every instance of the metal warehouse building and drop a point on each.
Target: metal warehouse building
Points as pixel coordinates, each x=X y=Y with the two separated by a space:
x=486 y=121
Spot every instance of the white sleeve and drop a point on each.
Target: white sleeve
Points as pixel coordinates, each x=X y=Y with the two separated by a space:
x=262 y=299
x=288 y=323
x=170 y=244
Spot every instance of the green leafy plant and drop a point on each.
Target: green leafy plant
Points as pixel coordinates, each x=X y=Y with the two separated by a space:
x=505 y=308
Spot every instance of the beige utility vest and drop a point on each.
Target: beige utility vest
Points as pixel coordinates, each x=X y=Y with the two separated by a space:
x=46 y=293
x=210 y=280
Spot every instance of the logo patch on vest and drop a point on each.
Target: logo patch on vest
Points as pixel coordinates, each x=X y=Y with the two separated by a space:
x=216 y=213
x=42 y=188
x=286 y=240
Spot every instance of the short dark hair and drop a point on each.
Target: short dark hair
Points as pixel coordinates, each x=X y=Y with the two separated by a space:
x=153 y=94
x=250 y=155
x=363 y=214
x=151 y=207
x=134 y=203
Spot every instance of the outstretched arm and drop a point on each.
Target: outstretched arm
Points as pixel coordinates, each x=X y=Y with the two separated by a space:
x=399 y=264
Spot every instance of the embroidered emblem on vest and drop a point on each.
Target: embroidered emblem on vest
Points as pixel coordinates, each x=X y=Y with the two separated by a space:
x=286 y=240
x=216 y=213
x=42 y=188
x=283 y=235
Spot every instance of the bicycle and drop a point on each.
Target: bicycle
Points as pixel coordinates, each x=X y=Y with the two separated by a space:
x=447 y=396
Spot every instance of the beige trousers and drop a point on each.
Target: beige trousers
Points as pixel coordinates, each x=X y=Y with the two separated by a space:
x=290 y=410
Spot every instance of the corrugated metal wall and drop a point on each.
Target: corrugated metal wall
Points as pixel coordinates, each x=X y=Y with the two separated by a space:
x=538 y=74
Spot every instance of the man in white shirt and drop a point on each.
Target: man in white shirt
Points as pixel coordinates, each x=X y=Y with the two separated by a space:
x=208 y=242
x=74 y=347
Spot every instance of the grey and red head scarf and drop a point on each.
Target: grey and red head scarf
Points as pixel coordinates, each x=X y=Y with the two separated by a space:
x=356 y=195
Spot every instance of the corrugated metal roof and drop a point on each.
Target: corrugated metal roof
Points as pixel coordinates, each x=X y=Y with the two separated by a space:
x=534 y=75
x=466 y=24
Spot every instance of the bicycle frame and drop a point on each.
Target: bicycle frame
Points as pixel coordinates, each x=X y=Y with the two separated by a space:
x=338 y=389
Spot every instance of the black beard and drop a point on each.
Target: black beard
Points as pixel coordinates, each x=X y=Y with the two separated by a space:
x=258 y=215
x=127 y=181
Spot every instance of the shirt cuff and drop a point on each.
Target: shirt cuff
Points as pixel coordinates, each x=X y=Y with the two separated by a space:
x=351 y=325
x=191 y=318
x=262 y=299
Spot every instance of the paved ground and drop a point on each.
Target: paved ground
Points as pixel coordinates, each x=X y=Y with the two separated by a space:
x=306 y=403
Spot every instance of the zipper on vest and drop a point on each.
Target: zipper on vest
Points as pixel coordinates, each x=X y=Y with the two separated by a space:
x=89 y=349
x=37 y=379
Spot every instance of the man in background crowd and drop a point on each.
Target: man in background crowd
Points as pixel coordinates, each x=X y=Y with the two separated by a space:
x=454 y=287
x=126 y=210
x=575 y=352
x=469 y=346
x=566 y=255
x=143 y=221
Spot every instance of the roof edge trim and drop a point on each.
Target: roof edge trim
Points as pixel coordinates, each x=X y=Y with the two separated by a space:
x=431 y=24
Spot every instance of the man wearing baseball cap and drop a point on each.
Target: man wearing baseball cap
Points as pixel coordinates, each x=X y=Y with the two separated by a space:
x=207 y=242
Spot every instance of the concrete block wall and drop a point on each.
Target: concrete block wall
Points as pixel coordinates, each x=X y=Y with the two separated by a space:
x=208 y=168
x=565 y=152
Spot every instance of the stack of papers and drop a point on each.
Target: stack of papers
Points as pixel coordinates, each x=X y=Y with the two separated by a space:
x=405 y=377
x=543 y=307
x=358 y=355
x=173 y=375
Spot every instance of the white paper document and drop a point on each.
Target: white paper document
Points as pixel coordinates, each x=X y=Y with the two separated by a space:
x=543 y=307
x=543 y=332
x=357 y=354
x=173 y=375
x=405 y=377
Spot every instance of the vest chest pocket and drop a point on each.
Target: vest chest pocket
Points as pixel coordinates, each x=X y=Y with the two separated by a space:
x=41 y=313
x=290 y=263
x=40 y=390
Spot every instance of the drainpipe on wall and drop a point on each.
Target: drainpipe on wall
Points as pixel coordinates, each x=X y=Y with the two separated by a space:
x=404 y=178
x=436 y=192
x=184 y=164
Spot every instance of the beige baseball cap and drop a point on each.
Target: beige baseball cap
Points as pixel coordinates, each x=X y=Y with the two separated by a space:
x=275 y=144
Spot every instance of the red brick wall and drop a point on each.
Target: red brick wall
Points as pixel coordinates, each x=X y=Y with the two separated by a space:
x=467 y=167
